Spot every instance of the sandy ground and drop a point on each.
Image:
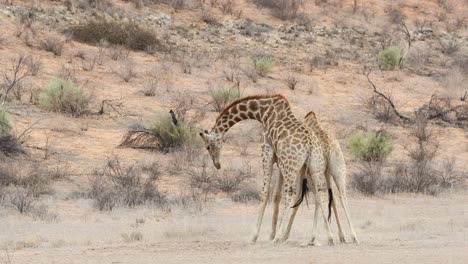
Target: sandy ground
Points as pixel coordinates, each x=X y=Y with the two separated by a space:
x=399 y=228
x=392 y=229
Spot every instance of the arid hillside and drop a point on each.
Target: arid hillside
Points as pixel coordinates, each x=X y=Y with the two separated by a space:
x=94 y=167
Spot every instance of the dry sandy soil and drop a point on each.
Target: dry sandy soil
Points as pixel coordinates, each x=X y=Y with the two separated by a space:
x=396 y=228
x=391 y=229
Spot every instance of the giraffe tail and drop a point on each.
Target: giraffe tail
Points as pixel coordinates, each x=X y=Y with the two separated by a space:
x=330 y=202
x=305 y=191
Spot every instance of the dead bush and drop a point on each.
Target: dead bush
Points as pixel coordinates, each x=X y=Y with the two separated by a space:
x=129 y=186
x=449 y=46
x=454 y=81
x=119 y=52
x=395 y=15
x=102 y=5
x=230 y=179
x=420 y=174
x=176 y=4
x=13 y=77
x=202 y=182
x=380 y=108
x=209 y=18
x=442 y=108
x=53 y=44
x=323 y=62
x=127 y=70
x=282 y=9
x=369 y=179
x=227 y=6
x=21 y=199
x=246 y=194
x=116 y=32
x=291 y=81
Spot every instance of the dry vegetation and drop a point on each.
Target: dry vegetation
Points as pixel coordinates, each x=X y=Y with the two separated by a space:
x=101 y=102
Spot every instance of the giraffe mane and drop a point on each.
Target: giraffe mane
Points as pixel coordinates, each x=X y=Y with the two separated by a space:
x=311 y=113
x=240 y=100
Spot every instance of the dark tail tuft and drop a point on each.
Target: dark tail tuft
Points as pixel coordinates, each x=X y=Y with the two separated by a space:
x=305 y=190
x=330 y=201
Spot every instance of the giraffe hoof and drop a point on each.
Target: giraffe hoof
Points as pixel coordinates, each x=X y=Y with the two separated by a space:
x=312 y=244
x=355 y=241
x=331 y=242
x=342 y=240
x=254 y=239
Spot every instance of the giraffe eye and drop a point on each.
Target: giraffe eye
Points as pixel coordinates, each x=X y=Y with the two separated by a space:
x=208 y=148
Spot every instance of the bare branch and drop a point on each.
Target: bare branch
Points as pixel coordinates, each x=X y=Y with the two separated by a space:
x=367 y=72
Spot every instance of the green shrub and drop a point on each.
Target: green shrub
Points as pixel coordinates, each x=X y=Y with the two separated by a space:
x=389 y=57
x=117 y=32
x=263 y=65
x=171 y=136
x=5 y=125
x=162 y=135
x=64 y=96
x=221 y=97
x=370 y=146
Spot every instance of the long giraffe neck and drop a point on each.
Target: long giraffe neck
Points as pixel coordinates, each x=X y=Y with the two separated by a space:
x=252 y=107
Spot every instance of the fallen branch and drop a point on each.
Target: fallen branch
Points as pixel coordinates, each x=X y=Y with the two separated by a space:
x=111 y=104
x=367 y=72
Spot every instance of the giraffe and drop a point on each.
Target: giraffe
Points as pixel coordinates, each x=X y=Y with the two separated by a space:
x=336 y=169
x=296 y=150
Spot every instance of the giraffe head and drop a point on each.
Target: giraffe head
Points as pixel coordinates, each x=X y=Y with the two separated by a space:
x=213 y=143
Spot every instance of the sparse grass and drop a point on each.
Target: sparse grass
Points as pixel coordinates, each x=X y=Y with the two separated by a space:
x=370 y=146
x=5 y=124
x=150 y=87
x=221 y=97
x=263 y=65
x=64 y=96
x=133 y=236
x=389 y=58
x=117 y=32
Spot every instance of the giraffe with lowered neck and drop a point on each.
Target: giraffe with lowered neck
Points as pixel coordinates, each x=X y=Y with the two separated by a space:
x=296 y=149
x=336 y=170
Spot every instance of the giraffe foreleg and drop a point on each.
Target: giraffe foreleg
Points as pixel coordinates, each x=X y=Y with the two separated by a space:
x=268 y=160
x=276 y=204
